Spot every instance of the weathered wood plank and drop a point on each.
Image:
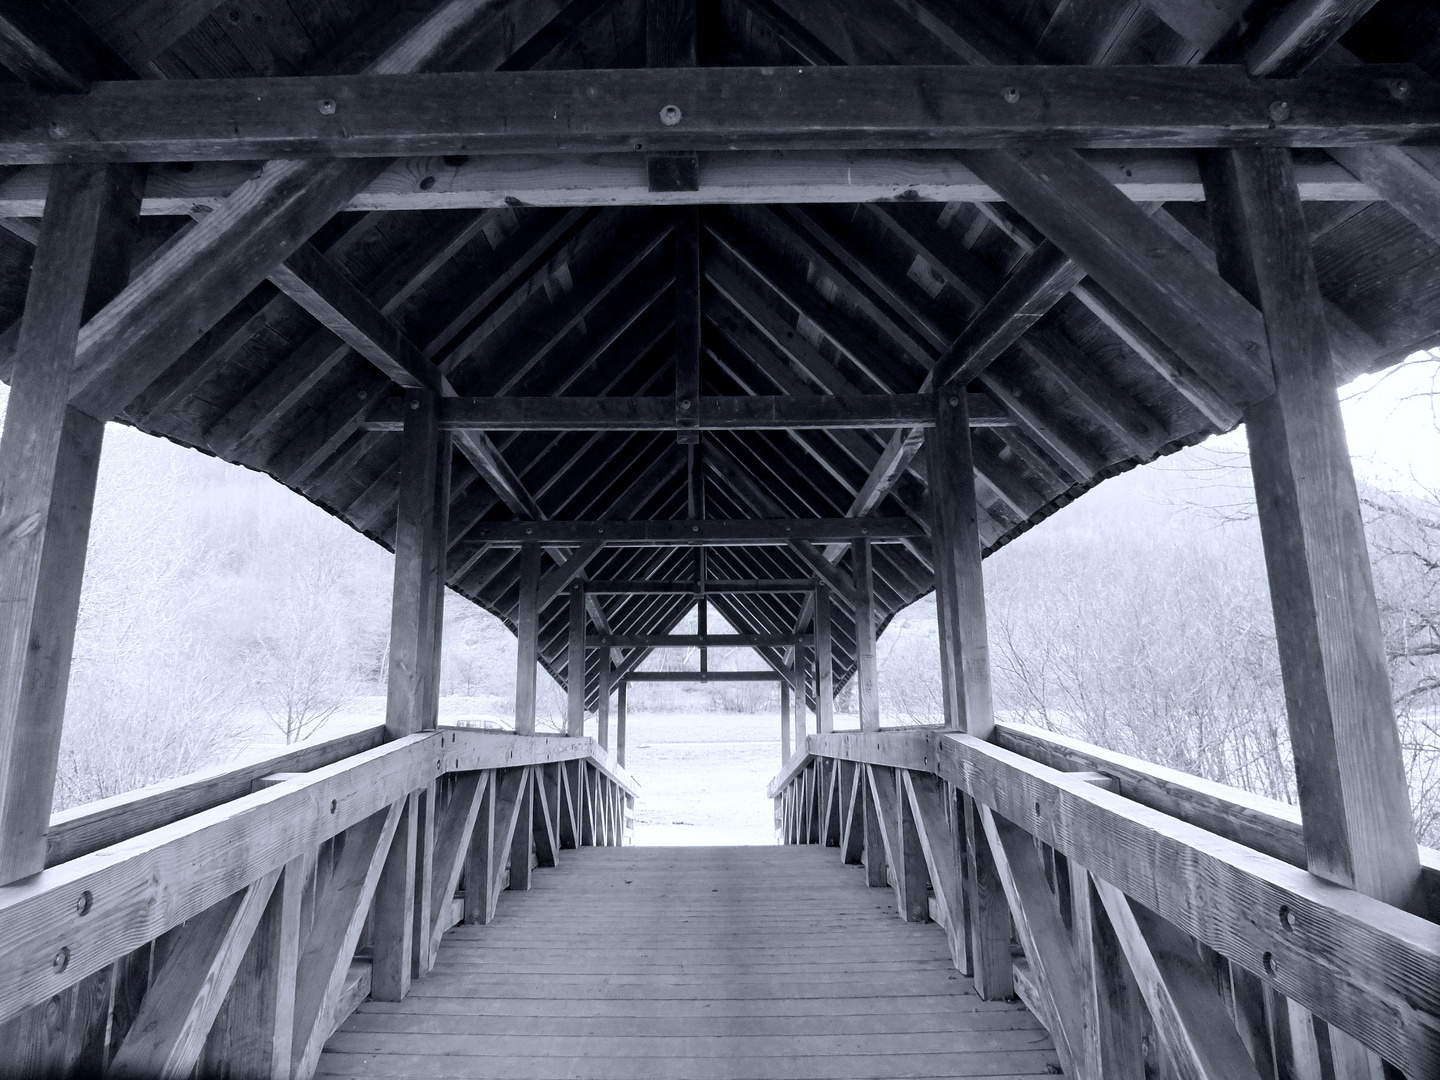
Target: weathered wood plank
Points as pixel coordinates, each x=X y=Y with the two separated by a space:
x=393 y=926
x=527 y=629
x=720 y=108
x=732 y=177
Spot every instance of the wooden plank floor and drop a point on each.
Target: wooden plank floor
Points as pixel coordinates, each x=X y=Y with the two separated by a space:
x=713 y=963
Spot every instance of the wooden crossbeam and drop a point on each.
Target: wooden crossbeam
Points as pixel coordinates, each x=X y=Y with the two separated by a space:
x=703 y=676
x=693 y=641
x=710 y=532
x=716 y=108
x=732 y=177
x=603 y=586
x=712 y=413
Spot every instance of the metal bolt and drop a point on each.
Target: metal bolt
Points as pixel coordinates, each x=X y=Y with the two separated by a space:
x=1268 y=961
x=1287 y=917
x=414 y=405
x=363 y=395
x=671 y=115
x=61 y=960
x=954 y=403
x=58 y=130
x=1011 y=94
x=327 y=107
x=427 y=183
x=694 y=528
x=685 y=405
x=1400 y=89
x=333 y=804
x=83 y=902
x=1279 y=111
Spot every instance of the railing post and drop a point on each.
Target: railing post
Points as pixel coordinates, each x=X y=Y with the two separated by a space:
x=994 y=970
x=801 y=679
x=575 y=664
x=866 y=678
x=824 y=667
x=959 y=582
x=527 y=629
x=49 y=459
x=1354 y=800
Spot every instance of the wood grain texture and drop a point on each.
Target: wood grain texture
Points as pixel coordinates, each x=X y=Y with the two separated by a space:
x=699 y=974
x=49 y=458
x=844 y=108
x=1354 y=800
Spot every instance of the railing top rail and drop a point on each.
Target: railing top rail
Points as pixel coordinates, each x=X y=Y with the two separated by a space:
x=92 y=909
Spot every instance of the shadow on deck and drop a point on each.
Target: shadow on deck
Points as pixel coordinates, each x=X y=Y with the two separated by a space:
x=704 y=963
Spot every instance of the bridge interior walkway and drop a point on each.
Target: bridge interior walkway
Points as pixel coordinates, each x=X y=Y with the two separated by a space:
x=693 y=964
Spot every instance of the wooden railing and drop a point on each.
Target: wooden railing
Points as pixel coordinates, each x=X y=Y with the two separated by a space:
x=231 y=920
x=1236 y=961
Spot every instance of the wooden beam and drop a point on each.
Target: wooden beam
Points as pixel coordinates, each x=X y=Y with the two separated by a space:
x=867 y=688
x=694 y=641
x=959 y=580
x=723 y=586
x=687 y=316
x=824 y=665
x=711 y=532
x=575 y=665
x=1351 y=776
x=1211 y=326
x=703 y=677
x=418 y=562
x=620 y=718
x=925 y=794
x=718 y=108
x=49 y=458
x=194 y=282
x=1289 y=37
x=730 y=413
x=394 y=914
x=732 y=177
x=527 y=629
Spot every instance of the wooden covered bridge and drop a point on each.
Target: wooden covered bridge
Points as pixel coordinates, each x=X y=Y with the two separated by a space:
x=596 y=312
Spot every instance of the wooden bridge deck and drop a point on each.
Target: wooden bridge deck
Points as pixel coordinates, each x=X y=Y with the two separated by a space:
x=703 y=963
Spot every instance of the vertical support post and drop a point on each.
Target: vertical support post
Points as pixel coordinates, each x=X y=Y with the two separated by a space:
x=527 y=632
x=522 y=842
x=424 y=917
x=395 y=910
x=866 y=678
x=959 y=580
x=784 y=721
x=602 y=709
x=412 y=614
x=802 y=678
x=620 y=694
x=1350 y=771
x=575 y=663
x=479 y=859
x=687 y=321
x=994 y=971
x=874 y=853
x=49 y=459
x=437 y=541
x=824 y=663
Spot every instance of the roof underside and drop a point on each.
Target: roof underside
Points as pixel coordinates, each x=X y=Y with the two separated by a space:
x=823 y=298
